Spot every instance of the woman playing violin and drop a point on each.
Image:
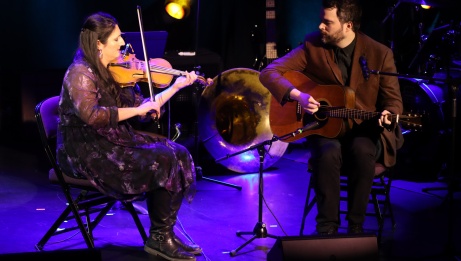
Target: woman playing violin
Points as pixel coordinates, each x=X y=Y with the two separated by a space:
x=95 y=140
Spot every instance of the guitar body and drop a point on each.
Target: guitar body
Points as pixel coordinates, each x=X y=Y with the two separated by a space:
x=289 y=118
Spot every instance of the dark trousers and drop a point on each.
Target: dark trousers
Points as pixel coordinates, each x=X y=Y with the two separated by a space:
x=355 y=156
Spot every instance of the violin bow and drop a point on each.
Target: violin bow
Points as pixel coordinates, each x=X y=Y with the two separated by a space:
x=146 y=58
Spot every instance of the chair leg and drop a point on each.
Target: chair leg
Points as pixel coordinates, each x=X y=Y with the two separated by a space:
x=80 y=211
x=129 y=206
x=71 y=208
x=379 y=215
x=388 y=208
x=102 y=213
x=53 y=228
x=386 y=204
x=307 y=207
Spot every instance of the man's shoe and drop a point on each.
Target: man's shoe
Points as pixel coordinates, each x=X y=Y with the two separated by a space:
x=329 y=232
x=355 y=229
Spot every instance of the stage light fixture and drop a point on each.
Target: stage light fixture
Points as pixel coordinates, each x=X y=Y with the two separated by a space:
x=178 y=9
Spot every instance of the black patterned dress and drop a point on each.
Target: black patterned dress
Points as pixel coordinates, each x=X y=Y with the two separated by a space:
x=117 y=159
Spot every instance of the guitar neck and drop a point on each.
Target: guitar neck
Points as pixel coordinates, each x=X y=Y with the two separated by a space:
x=346 y=113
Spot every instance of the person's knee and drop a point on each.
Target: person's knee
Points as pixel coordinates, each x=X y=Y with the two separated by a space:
x=363 y=147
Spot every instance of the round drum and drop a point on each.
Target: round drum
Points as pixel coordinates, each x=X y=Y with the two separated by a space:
x=423 y=153
x=234 y=121
x=425 y=99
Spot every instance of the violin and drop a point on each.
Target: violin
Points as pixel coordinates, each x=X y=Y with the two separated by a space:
x=128 y=70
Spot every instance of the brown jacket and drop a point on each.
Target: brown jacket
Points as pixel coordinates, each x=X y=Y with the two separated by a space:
x=317 y=61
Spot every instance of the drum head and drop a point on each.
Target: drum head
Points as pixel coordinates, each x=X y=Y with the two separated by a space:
x=424 y=152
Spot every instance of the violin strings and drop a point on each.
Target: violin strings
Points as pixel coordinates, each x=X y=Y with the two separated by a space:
x=166 y=70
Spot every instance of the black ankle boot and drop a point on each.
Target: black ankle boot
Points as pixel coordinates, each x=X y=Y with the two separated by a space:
x=162 y=243
x=176 y=201
x=191 y=248
x=162 y=240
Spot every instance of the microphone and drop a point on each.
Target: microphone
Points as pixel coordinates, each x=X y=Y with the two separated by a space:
x=309 y=126
x=306 y=127
x=364 y=65
x=125 y=52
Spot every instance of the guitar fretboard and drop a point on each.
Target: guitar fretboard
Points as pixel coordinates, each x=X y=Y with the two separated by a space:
x=356 y=114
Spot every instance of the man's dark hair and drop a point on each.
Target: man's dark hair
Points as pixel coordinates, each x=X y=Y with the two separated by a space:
x=347 y=11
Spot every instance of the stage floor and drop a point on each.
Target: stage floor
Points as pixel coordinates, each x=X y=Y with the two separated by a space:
x=29 y=205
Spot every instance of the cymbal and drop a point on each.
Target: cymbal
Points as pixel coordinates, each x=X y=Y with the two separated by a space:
x=435 y=3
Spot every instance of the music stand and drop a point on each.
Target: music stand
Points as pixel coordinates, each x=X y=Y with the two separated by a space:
x=260 y=229
x=155 y=43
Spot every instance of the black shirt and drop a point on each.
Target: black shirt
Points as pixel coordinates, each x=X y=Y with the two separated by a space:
x=343 y=57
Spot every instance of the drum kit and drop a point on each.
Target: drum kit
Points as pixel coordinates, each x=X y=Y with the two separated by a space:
x=432 y=92
x=439 y=95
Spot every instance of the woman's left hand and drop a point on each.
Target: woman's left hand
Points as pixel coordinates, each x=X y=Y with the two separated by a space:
x=185 y=80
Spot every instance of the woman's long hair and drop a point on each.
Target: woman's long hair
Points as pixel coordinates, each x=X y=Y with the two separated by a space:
x=96 y=27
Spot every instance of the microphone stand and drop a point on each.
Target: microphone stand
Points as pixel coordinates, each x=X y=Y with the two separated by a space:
x=260 y=229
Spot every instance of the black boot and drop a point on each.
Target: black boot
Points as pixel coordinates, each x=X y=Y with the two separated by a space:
x=162 y=241
x=176 y=202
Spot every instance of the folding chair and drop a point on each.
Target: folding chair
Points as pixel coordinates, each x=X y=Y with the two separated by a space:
x=89 y=202
x=379 y=198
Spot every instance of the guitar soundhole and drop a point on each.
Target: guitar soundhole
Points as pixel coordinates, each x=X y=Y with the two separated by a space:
x=320 y=117
x=321 y=114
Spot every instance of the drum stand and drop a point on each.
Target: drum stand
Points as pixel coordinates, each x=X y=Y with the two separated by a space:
x=452 y=185
x=260 y=229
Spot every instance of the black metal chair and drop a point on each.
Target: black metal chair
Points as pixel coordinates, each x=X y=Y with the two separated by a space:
x=89 y=202
x=379 y=198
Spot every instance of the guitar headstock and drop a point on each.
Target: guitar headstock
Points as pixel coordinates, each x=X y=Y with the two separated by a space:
x=411 y=121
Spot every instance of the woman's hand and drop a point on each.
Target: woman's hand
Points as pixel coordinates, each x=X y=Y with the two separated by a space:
x=149 y=107
x=185 y=80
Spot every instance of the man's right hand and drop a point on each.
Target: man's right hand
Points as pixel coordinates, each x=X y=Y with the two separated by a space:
x=308 y=103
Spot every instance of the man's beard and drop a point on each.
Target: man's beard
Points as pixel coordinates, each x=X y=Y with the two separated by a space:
x=334 y=38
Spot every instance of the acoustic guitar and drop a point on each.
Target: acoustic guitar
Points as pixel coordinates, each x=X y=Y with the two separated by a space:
x=334 y=117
